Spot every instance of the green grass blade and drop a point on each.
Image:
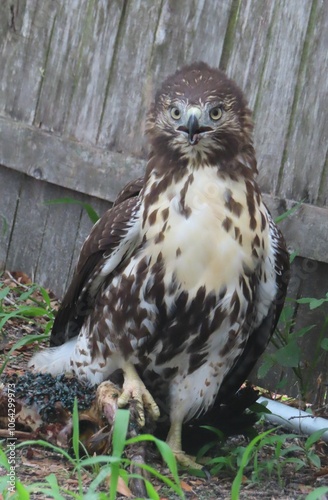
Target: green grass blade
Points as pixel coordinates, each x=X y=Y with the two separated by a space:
x=28 y=339
x=318 y=493
x=22 y=492
x=167 y=456
x=45 y=444
x=315 y=436
x=119 y=431
x=45 y=296
x=76 y=434
x=4 y=292
x=118 y=440
x=288 y=212
x=93 y=216
x=5 y=226
x=174 y=486
x=27 y=294
x=236 y=485
x=23 y=313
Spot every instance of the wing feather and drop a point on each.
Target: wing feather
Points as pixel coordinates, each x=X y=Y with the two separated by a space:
x=260 y=336
x=111 y=240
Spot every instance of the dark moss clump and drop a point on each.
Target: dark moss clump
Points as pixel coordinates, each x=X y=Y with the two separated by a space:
x=45 y=391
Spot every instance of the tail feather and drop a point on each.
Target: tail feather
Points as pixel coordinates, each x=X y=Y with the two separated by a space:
x=54 y=360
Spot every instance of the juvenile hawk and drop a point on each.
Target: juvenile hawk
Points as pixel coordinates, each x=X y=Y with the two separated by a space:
x=180 y=284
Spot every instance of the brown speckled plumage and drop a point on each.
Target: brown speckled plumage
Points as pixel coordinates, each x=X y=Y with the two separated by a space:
x=185 y=277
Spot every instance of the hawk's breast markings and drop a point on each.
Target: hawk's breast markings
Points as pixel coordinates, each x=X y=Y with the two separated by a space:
x=227 y=224
x=231 y=204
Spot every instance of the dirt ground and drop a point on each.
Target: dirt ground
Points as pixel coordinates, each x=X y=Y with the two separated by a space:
x=33 y=463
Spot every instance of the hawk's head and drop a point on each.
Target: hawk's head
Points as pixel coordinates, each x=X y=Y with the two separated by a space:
x=200 y=115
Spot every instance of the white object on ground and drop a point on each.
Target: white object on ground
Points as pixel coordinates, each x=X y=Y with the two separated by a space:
x=293 y=418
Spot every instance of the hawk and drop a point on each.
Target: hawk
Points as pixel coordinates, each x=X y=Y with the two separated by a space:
x=180 y=284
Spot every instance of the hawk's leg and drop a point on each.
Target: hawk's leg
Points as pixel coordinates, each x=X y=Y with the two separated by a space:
x=134 y=388
x=174 y=442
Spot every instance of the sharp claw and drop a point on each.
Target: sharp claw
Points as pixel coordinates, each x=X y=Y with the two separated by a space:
x=187 y=461
x=174 y=442
x=134 y=388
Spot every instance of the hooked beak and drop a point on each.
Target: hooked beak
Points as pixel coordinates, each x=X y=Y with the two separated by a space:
x=193 y=128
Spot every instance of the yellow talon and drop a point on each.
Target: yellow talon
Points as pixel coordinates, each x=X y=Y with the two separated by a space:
x=134 y=388
x=174 y=442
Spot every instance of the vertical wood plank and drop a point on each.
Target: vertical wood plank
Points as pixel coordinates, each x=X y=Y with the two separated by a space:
x=26 y=28
x=124 y=112
x=10 y=186
x=278 y=81
x=303 y=175
x=95 y=55
x=84 y=228
x=63 y=59
x=28 y=233
x=58 y=240
x=155 y=39
x=188 y=31
x=246 y=59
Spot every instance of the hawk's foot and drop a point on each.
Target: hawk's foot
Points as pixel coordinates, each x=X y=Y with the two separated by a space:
x=186 y=460
x=174 y=442
x=134 y=388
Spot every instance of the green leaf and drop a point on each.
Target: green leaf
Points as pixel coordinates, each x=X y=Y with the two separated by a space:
x=265 y=367
x=219 y=434
x=22 y=312
x=4 y=292
x=293 y=256
x=100 y=477
x=236 y=485
x=289 y=355
x=45 y=296
x=93 y=216
x=313 y=303
x=324 y=344
x=288 y=212
x=315 y=436
x=23 y=341
x=175 y=487
x=302 y=331
x=23 y=494
x=315 y=459
x=26 y=295
x=167 y=455
x=286 y=314
x=4 y=460
x=119 y=432
x=4 y=225
x=45 y=444
x=317 y=494
x=260 y=408
x=118 y=440
x=99 y=459
x=76 y=435
x=52 y=480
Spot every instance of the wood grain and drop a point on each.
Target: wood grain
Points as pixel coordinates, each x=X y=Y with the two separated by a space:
x=77 y=79
x=304 y=173
x=26 y=28
x=64 y=162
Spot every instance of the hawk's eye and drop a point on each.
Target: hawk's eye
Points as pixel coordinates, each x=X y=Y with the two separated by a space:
x=175 y=113
x=216 y=113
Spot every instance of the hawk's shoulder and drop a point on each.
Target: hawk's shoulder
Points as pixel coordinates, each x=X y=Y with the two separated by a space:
x=110 y=240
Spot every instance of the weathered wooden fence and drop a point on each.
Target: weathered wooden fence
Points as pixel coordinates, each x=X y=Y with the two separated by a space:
x=76 y=79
